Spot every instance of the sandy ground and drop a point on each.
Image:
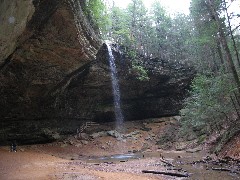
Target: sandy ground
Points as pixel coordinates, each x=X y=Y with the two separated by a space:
x=71 y=158
x=67 y=159
x=36 y=165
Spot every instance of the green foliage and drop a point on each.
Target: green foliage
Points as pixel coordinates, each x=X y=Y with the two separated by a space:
x=132 y=54
x=137 y=68
x=209 y=103
x=204 y=39
x=96 y=11
x=140 y=71
x=119 y=26
x=151 y=32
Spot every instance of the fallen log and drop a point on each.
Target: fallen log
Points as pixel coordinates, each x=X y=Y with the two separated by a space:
x=225 y=169
x=221 y=169
x=166 y=173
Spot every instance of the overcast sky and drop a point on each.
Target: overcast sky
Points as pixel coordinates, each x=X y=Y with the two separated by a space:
x=172 y=6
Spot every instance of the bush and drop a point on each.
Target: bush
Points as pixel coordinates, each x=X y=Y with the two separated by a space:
x=209 y=104
x=141 y=72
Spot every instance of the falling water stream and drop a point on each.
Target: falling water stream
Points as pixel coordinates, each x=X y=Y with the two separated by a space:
x=78 y=14
x=116 y=91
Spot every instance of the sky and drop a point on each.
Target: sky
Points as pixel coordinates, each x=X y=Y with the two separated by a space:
x=234 y=8
x=172 y=6
x=180 y=6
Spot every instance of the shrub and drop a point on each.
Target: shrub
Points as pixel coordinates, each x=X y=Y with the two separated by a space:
x=209 y=104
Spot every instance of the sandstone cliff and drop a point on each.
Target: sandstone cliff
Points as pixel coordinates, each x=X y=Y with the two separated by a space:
x=40 y=44
x=52 y=78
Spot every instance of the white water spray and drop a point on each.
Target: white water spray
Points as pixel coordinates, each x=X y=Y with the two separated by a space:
x=116 y=91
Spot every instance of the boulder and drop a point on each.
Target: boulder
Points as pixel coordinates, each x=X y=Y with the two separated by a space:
x=115 y=134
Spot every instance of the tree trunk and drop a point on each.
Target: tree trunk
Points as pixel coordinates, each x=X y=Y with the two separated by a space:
x=223 y=41
x=231 y=33
x=177 y=174
x=220 y=54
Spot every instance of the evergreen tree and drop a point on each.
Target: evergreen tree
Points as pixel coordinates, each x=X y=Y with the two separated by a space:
x=120 y=30
x=162 y=23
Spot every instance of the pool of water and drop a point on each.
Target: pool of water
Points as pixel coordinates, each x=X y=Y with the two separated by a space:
x=115 y=158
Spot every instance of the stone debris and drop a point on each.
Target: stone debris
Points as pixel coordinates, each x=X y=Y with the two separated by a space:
x=98 y=134
x=84 y=142
x=115 y=134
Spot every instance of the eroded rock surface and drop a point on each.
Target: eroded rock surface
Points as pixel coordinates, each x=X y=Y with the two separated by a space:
x=14 y=16
x=161 y=95
x=40 y=46
x=51 y=81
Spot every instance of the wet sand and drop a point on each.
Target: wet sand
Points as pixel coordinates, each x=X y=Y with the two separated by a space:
x=40 y=166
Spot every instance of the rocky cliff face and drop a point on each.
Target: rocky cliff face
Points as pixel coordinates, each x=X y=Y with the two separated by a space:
x=41 y=43
x=51 y=80
x=90 y=96
x=14 y=17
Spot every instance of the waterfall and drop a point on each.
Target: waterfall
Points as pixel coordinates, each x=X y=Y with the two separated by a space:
x=116 y=91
